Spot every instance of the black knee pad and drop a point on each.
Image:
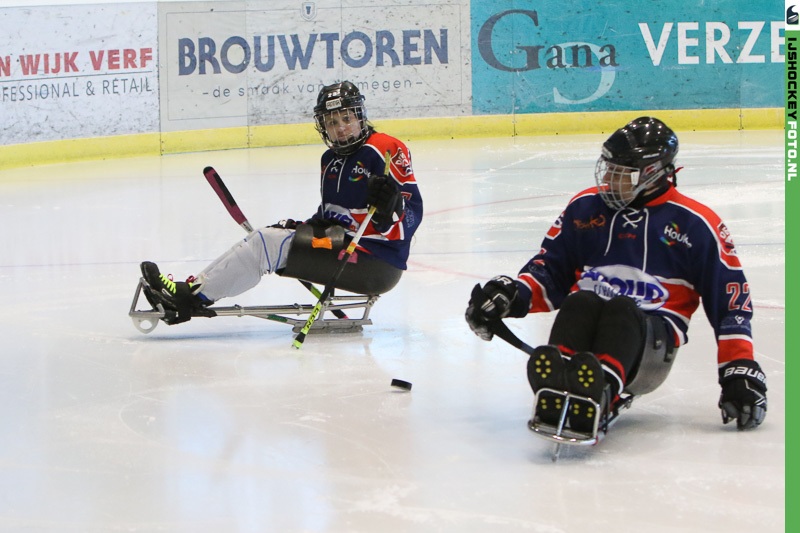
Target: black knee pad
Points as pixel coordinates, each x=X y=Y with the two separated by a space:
x=582 y=301
x=623 y=312
x=575 y=325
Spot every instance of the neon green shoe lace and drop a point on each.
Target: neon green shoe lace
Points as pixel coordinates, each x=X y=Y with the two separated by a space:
x=169 y=285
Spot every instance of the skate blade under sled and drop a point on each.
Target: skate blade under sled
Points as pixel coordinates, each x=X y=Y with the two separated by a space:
x=604 y=417
x=146 y=320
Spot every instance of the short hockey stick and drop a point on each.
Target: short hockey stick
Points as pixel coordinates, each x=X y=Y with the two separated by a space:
x=301 y=336
x=500 y=329
x=215 y=180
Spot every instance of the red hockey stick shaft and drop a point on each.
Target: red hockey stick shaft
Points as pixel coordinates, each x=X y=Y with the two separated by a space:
x=227 y=198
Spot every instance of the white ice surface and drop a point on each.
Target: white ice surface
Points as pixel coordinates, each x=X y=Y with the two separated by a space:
x=219 y=425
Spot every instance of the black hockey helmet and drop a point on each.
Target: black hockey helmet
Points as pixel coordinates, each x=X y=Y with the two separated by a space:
x=636 y=160
x=337 y=101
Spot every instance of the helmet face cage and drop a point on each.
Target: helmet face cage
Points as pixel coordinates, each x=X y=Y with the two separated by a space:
x=339 y=103
x=619 y=185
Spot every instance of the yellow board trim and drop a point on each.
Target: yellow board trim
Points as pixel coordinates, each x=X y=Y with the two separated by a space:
x=67 y=150
x=148 y=144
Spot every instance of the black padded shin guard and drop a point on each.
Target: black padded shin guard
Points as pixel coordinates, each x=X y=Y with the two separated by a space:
x=575 y=326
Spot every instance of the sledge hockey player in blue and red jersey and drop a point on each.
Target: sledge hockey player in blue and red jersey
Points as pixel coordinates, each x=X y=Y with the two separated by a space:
x=353 y=178
x=626 y=265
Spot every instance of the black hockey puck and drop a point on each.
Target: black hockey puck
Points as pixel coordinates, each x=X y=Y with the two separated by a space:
x=400 y=384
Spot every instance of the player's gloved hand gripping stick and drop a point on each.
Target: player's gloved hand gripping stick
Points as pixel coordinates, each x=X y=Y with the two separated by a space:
x=498 y=327
x=301 y=336
x=229 y=202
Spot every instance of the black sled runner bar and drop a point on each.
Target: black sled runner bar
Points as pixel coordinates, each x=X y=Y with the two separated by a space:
x=146 y=320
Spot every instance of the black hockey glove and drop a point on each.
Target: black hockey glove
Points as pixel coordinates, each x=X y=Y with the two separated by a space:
x=489 y=304
x=744 y=393
x=384 y=194
x=322 y=223
x=286 y=224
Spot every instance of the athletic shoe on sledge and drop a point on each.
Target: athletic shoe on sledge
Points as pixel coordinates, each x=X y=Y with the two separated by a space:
x=178 y=298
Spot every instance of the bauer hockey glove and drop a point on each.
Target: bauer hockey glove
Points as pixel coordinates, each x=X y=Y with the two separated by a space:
x=490 y=303
x=744 y=393
x=384 y=195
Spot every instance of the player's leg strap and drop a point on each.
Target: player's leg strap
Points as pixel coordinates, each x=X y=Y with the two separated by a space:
x=657 y=358
x=314 y=257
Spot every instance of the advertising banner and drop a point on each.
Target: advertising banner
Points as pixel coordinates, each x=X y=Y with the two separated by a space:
x=71 y=72
x=532 y=57
x=259 y=63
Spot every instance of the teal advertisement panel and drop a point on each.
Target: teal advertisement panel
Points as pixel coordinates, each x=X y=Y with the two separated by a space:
x=570 y=56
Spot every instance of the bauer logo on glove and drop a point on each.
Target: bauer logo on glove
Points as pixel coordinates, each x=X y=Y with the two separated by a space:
x=744 y=393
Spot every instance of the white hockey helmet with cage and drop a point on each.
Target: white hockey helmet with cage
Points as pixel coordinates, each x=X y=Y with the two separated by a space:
x=341 y=99
x=636 y=159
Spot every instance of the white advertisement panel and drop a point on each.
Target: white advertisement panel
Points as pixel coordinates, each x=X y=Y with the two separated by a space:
x=259 y=63
x=71 y=72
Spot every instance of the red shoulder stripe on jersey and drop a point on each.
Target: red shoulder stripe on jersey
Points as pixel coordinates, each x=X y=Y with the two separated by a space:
x=401 y=168
x=591 y=191
x=725 y=246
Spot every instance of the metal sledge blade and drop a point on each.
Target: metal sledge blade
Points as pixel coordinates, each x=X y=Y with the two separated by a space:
x=604 y=418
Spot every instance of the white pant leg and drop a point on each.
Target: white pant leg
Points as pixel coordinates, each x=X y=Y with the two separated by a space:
x=239 y=269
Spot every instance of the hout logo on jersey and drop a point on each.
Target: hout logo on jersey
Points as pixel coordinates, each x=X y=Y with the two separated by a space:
x=359 y=172
x=620 y=280
x=672 y=235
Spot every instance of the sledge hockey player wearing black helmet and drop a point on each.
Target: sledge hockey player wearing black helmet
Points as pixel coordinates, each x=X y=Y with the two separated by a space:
x=355 y=176
x=626 y=264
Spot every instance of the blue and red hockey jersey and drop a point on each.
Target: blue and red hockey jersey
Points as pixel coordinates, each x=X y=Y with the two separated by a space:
x=670 y=255
x=344 y=196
